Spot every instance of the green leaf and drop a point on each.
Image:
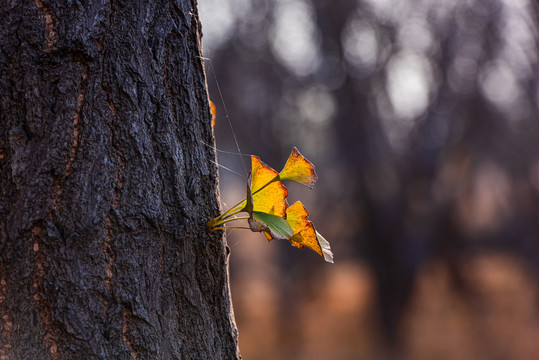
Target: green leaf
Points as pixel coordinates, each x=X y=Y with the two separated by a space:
x=274 y=227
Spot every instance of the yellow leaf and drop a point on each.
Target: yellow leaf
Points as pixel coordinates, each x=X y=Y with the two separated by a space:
x=304 y=232
x=269 y=196
x=297 y=217
x=298 y=169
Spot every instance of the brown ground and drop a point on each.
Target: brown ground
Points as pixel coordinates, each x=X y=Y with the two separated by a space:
x=490 y=313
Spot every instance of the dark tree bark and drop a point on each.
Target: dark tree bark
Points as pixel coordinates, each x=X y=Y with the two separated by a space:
x=106 y=185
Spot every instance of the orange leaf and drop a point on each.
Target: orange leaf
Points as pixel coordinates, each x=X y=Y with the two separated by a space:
x=298 y=169
x=304 y=233
x=213 y=113
x=269 y=196
x=297 y=217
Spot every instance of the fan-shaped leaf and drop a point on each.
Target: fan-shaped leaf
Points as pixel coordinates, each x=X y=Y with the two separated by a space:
x=268 y=210
x=269 y=195
x=304 y=233
x=298 y=169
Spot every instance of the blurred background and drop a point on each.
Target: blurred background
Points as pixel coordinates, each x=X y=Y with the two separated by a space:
x=422 y=120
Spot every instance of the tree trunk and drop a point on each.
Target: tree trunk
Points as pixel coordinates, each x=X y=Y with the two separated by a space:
x=107 y=184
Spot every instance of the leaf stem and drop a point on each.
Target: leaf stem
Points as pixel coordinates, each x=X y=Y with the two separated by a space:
x=233 y=208
x=236 y=209
x=224 y=221
x=229 y=227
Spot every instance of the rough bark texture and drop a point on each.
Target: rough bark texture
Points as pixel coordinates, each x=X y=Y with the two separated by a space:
x=106 y=185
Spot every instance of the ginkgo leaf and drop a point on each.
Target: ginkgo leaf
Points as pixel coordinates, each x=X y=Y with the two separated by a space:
x=297 y=217
x=266 y=202
x=213 y=113
x=304 y=233
x=268 y=196
x=298 y=169
x=268 y=210
x=274 y=227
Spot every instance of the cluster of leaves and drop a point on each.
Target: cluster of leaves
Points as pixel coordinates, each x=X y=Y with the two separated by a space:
x=268 y=210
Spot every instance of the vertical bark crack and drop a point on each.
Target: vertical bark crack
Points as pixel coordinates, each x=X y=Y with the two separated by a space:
x=52 y=36
x=55 y=199
x=7 y=325
x=118 y=179
x=74 y=143
x=119 y=184
x=45 y=314
x=127 y=315
x=76 y=122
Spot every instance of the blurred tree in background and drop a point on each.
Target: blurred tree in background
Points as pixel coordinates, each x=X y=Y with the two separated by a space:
x=422 y=120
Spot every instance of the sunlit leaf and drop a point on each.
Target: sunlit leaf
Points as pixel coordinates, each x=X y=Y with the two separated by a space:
x=298 y=169
x=297 y=217
x=213 y=113
x=274 y=227
x=269 y=213
x=304 y=233
x=268 y=197
x=266 y=202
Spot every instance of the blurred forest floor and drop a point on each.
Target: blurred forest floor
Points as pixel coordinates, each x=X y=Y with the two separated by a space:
x=490 y=312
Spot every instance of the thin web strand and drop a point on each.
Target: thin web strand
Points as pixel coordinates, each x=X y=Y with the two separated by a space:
x=226 y=113
x=227 y=168
x=224 y=151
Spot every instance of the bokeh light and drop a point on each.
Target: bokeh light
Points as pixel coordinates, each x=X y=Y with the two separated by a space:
x=421 y=119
